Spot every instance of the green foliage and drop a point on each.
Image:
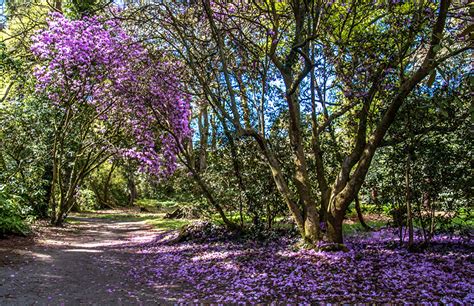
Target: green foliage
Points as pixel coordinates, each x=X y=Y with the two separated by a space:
x=25 y=165
x=432 y=124
x=109 y=184
x=80 y=8
x=166 y=224
x=153 y=205
x=86 y=200
x=13 y=215
x=458 y=222
x=357 y=228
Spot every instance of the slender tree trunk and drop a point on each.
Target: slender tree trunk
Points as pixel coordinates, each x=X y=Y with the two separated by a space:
x=185 y=159
x=58 y=5
x=279 y=179
x=203 y=125
x=238 y=175
x=213 y=202
x=245 y=101
x=432 y=217
x=360 y=216
x=54 y=179
x=214 y=133
x=107 y=183
x=132 y=190
x=429 y=207
x=408 y=198
x=269 y=215
x=47 y=177
x=310 y=212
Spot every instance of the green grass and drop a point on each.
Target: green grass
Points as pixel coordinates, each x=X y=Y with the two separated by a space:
x=464 y=218
x=157 y=206
x=234 y=216
x=150 y=204
x=354 y=228
x=167 y=224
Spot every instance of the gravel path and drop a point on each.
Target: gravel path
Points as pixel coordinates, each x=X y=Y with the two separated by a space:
x=83 y=263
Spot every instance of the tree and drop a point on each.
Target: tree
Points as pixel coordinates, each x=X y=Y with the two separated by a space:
x=365 y=84
x=413 y=62
x=104 y=85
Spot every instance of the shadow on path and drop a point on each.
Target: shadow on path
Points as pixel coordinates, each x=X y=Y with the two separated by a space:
x=83 y=263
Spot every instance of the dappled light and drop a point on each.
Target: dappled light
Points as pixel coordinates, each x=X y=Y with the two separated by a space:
x=83 y=250
x=236 y=152
x=270 y=272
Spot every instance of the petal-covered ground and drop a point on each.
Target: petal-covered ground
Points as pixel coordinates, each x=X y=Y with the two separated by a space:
x=375 y=269
x=91 y=261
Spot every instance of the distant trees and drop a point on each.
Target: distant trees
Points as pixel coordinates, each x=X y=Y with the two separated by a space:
x=423 y=164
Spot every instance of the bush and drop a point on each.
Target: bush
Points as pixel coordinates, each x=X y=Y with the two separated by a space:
x=13 y=216
x=86 y=200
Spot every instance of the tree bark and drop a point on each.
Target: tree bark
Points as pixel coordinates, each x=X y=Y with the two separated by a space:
x=132 y=190
x=360 y=216
x=335 y=233
x=236 y=164
x=107 y=183
x=408 y=193
x=349 y=182
x=203 y=125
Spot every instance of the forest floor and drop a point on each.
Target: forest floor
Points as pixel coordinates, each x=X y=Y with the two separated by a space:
x=122 y=260
x=83 y=262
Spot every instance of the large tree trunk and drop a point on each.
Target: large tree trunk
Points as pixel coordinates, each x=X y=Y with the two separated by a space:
x=310 y=213
x=306 y=217
x=350 y=180
x=335 y=233
x=63 y=207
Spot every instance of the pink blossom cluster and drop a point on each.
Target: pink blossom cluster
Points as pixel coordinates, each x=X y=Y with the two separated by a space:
x=94 y=62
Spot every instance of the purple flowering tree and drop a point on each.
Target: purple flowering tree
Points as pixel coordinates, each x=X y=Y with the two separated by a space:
x=111 y=97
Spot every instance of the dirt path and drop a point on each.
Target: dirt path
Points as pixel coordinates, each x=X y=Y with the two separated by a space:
x=85 y=263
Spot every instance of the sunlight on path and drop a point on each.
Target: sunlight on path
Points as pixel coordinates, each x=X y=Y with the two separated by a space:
x=87 y=261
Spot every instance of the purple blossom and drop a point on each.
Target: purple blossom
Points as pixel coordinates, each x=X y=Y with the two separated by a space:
x=97 y=63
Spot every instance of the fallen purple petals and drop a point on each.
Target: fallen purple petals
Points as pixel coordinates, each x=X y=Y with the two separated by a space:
x=376 y=269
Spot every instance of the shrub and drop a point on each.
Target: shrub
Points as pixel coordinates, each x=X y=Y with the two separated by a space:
x=87 y=200
x=13 y=215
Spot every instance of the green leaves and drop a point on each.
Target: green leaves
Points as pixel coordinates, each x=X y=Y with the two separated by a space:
x=436 y=48
x=12 y=215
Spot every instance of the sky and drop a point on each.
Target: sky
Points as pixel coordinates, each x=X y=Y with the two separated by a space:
x=2 y=9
